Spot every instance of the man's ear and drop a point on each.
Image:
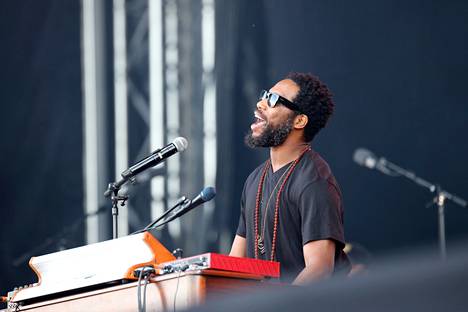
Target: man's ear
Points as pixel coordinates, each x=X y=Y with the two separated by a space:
x=301 y=121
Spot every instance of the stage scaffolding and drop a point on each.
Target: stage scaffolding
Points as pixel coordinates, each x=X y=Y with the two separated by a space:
x=163 y=87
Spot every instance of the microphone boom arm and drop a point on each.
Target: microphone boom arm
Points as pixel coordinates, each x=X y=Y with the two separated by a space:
x=181 y=201
x=386 y=167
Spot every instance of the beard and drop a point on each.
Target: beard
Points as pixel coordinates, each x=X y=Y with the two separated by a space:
x=271 y=136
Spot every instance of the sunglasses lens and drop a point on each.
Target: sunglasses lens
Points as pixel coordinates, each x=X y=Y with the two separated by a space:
x=263 y=95
x=273 y=99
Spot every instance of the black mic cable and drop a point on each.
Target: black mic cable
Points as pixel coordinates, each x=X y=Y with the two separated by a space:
x=181 y=201
x=207 y=194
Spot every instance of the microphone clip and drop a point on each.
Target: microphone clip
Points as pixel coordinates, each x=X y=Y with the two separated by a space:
x=113 y=192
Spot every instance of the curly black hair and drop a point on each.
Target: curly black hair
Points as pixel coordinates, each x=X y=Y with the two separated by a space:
x=315 y=100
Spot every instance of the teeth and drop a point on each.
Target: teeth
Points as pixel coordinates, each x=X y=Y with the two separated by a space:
x=258 y=117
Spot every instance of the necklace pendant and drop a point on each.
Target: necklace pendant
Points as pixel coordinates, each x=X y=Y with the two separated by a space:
x=260 y=245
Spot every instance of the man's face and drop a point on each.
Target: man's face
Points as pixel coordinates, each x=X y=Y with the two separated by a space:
x=272 y=125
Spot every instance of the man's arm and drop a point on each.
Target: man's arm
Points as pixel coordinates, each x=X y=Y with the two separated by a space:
x=238 y=248
x=319 y=258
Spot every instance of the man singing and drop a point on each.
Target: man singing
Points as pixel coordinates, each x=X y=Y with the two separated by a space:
x=291 y=205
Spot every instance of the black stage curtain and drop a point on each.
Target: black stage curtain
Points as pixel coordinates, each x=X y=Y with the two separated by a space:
x=398 y=73
x=41 y=150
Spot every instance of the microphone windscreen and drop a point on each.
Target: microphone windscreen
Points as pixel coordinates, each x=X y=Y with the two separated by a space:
x=180 y=143
x=208 y=193
x=364 y=158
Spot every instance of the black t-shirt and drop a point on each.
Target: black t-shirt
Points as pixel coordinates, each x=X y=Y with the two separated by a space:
x=310 y=208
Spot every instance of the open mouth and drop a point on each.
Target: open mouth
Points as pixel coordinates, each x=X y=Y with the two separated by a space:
x=259 y=121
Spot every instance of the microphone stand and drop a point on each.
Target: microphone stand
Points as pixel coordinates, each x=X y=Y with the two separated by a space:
x=181 y=201
x=439 y=199
x=114 y=188
x=113 y=191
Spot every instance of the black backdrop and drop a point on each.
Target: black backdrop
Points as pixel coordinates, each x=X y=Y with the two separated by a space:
x=41 y=175
x=397 y=69
x=398 y=73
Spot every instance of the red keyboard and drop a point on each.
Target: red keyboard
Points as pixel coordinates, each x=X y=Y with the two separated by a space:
x=216 y=261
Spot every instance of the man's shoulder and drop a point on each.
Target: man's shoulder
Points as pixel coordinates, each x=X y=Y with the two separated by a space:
x=314 y=167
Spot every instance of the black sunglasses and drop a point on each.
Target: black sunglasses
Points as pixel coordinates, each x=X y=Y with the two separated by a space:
x=274 y=99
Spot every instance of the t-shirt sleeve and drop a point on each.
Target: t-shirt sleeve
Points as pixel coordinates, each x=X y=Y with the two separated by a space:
x=321 y=212
x=241 y=227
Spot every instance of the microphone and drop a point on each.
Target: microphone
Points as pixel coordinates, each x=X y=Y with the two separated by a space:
x=158 y=156
x=365 y=158
x=207 y=194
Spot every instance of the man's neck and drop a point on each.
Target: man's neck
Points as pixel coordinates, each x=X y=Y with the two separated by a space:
x=285 y=153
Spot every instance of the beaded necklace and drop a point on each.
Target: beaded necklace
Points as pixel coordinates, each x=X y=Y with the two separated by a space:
x=258 y=238
x=261 y=237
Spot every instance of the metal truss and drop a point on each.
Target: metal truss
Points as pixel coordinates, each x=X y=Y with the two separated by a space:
x=164 y=87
